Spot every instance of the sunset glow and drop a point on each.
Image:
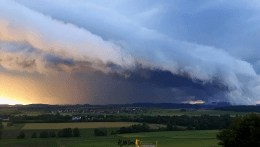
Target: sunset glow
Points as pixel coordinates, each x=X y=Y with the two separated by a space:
x=7 y=101
x=105 y=52
x=194 y=102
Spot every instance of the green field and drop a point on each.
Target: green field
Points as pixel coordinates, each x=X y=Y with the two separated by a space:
x=82 y=125
x=5 y=110
x=205 y=138
x=165 y=139
x=4 y=123
x=178 y=138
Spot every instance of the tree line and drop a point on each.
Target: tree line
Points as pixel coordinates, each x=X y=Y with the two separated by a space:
x=243 y=131
x=1 y=128
x=66 y=132
x=203 y=122
x=239 y=108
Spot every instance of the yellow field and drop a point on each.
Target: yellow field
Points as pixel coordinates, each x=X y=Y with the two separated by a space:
x=156 y=126
x=37 y=126
x=4 y=123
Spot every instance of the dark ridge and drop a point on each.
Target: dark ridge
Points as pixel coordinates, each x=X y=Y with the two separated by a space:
x=172 y=105
x=213 y=105
x=241 y=108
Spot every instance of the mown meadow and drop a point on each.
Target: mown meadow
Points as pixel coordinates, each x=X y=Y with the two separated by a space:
x=192 y=138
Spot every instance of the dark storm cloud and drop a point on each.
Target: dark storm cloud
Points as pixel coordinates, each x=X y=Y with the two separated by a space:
x=179 y=46
x=52 y=59
x=146 y=85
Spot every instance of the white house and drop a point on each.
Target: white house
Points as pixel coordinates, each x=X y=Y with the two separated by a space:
x=76 y=118
x=6 y=119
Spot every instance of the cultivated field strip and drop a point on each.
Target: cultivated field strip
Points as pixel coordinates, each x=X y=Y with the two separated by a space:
x=81 y=125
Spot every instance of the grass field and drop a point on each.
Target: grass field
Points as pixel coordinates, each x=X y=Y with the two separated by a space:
x=165 y=139
x=4 y=123
x=82 y=125
x=5 y=110
x=178 y=138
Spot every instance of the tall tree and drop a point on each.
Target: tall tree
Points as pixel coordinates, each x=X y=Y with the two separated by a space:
x=169 y=126
x=1 y=128
x=243 y=131
x=76 y=132
x=67 y=132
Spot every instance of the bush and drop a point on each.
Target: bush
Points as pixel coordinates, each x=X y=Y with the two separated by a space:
x=175 y=128
x=44 y=134
x=169 y=127
x=161 y=129
x=183 y=110
x=67 y=132
x=100 y=132
x=189 y=127
x=1 y=128
x=1 y=125
x=76 y=132
x=52 y=134
x=113 y=133
x=59 y=134
x=243 y=131
x=10 y=124
x=34 y=135
x=21 y=135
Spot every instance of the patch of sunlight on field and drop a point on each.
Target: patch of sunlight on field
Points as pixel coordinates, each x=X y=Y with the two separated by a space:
x=14 y=127
x=156 y=126
x=83 y=125
x=4 y=123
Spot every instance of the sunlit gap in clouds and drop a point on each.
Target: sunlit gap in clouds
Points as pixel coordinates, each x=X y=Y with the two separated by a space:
x=194 y=102
x=9 y=102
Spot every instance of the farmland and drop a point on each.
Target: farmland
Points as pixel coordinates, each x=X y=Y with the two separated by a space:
x=165 y=139
x=13 y=131
x=164 y=112
x=38 y=126
x=117 y=111
x=116 y=118
x=173 y=112
x=4 y=123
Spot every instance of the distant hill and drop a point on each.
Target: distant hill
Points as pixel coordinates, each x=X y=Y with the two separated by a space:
x=172 y=105
x=240 y=108
x=145 y=105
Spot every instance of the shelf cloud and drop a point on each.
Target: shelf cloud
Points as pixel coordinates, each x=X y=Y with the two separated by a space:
x=93 y=41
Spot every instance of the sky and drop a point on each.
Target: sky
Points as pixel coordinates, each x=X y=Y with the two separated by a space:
x=129 y=51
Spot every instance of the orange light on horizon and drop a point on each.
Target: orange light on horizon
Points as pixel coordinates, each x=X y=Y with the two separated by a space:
x=8 y=101
x=194 y=102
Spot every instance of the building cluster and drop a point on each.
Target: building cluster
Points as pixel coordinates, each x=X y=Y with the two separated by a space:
x=100 y=110
x=4 y=119
x=76 y=118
